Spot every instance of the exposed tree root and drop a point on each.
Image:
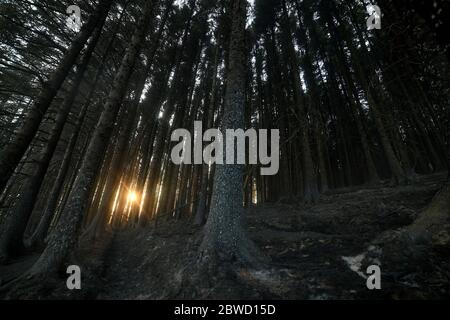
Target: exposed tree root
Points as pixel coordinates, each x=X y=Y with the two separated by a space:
x=215 y=262
x=401 y=251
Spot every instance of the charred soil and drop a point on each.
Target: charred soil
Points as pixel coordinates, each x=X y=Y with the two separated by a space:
x=316 y=252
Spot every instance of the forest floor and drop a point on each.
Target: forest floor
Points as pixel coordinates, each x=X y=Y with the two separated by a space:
x=316 y=252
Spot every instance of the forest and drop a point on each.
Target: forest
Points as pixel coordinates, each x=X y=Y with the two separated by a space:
x=352 y=97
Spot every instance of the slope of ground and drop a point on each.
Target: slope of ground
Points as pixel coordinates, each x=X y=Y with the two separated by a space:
x=315 y=253
x=310 y=249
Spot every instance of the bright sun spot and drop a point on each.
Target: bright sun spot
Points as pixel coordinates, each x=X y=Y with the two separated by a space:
x=132 y=196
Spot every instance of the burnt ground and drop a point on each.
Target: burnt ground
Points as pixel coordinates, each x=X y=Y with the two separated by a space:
x=316 y=252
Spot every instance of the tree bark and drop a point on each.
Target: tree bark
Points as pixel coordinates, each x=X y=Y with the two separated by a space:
x=200 y=213
x=63 y=237
x=14 y=225
x=11 y=155
x=310 y=184
x=224 y=238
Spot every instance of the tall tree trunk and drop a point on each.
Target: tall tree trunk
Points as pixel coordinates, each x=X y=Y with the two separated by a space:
x=310 y=183
x=118 y=161
x=63 y=237
x=200 y=213
x=11 y=155
x=398 y=174
x=38 y=236
x=16 y=219
x=224 y=237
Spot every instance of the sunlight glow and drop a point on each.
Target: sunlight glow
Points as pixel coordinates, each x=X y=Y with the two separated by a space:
x=132 y=196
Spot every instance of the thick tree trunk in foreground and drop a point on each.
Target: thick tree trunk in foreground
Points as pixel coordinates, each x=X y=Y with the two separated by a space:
x=224 y=237
x=11 y=155
x=63 y=237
